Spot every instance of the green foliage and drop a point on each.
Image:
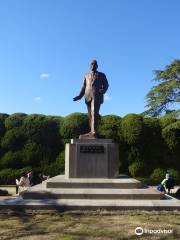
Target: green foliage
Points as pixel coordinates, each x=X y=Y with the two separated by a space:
x=41 y=129
x=38 y=141
x=15 y=120
x=167 y=91
x=109 y=127
x=134 y=154
x=171 y=134
x=32 y=154
x=60 y=161
x=153 y=149
x=74 y=125
x=174 y=173
x=8 y=176
x=3 y=117
x=11 y=160
x=158 y=175
x=167 y=120
x=132 y=128
x=138 y=169
x=13 y=139
x=44 y=132
x=51 y=170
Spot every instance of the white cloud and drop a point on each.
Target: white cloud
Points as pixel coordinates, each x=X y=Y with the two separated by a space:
x=107 y=97
x=44 y=75
x=37 y=99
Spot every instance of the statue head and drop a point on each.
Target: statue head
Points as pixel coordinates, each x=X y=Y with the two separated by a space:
x=93 y=65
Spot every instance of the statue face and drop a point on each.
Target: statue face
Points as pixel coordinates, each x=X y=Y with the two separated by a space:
x=93 y=66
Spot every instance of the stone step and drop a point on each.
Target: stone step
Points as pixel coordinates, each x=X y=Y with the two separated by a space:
x=91 y=193
x=168 y=204
x=122 y=182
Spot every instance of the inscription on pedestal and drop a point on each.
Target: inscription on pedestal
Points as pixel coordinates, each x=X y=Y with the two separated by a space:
x=91 y=149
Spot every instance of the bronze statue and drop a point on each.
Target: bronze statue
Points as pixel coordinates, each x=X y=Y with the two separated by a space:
x=94 y=86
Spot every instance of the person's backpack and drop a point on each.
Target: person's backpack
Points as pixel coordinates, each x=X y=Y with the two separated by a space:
x=169 y=184
x=160 y=188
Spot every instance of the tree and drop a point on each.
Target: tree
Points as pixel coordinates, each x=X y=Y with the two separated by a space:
x=110 y=127
x=73 y=125
x=3 y=117
x=15 y=120
x=132 y=128
x=166 y=93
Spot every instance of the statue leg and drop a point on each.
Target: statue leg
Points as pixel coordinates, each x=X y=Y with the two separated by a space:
x=95 y=106
x=93 y=114
x=89 y=112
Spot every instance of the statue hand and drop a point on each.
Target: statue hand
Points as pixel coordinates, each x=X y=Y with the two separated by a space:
x=76 y=98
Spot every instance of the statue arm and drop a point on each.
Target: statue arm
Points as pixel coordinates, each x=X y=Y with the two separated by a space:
x=81 y=94
x=105 y=84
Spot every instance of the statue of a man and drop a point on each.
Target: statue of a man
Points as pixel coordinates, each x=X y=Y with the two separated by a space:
x=94 y=86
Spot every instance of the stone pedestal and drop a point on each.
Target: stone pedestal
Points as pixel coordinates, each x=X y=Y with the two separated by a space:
x=91 y=158
x=91 y=181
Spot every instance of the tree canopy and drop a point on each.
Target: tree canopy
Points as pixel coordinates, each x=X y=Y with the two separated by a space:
x=166 y=93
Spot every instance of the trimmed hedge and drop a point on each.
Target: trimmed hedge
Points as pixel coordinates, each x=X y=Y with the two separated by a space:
x=138 y=169
x=74 y=125
x=132 y=128
x=110 y=127
x=147 y=146
x=158 y=175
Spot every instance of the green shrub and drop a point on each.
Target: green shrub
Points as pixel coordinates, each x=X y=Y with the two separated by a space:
x=133 y=154
x=2 y=124
x=174 y=173
x=171 y=135
x=158 y=175
x=15 y=120
x=11 y=160
x=167 y=120
x=138 y=169
x=13 y=139
x=8 y=176
x=51 y=170
x=74 y=125
x=32 y=154
x=41 y=129
x=109 y=127
x=132 y=128
x=153 y=149
x=60 y=161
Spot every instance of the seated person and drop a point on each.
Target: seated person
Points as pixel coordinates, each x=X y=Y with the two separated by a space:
x=23 y=184
x=168 y=183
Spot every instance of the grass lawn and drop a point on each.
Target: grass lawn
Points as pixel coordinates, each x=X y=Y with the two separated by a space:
x=79 y=225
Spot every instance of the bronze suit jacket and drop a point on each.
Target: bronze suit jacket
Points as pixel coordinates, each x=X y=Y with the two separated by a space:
x=94 y=87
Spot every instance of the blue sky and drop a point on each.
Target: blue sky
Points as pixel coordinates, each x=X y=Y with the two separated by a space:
x=46 y=47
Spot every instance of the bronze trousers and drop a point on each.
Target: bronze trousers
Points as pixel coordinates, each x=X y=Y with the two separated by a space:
x=93 y=113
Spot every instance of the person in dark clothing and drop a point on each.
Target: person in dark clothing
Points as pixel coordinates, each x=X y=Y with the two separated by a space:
x=35 y=178
x=168 y=183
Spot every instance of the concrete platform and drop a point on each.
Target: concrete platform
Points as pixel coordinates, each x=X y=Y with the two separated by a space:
x=61 y=194
x=168 y=204
x=123 y=182
x=91 y=193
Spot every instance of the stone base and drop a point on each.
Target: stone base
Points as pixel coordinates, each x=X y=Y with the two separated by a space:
x=75 y=188
x=91 y=158
x=123 y=193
